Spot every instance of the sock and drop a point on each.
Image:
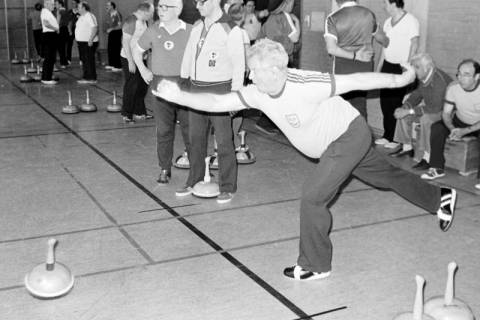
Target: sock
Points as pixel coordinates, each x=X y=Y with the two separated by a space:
x=426 y=156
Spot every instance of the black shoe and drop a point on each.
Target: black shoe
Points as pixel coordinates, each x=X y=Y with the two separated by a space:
x=401 y=153
x=422 y=165
x=446 y=212
x=164 y=177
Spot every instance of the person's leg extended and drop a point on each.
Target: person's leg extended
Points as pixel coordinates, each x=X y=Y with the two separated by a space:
x=321 y=185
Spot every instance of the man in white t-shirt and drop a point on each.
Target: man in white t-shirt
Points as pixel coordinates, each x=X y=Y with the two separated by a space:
x=403 y=32
x=86 y=35
x=328 y=129
x=460 y=117
x=50 y=31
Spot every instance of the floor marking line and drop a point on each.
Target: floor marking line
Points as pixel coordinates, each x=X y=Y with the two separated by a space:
x=323 y=312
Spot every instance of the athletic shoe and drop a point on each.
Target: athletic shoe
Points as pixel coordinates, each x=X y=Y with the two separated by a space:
x=433 y=173
x=381 y=141
x=164 y=177
x=446 y=212
x=116 y=69
x=224 y=197
x=401 y=153
x=108 y=67
x=49 y=82
x=184 y=191
x=422 y=165
x=391 y=145
x=142 y=117
x=298 y=273
x=84 y=81
x=128 y=120
x=477 y=186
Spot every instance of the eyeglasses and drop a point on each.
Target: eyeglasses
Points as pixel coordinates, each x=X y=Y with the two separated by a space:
x=199 y=2
x=165 y=7
x=465 y=75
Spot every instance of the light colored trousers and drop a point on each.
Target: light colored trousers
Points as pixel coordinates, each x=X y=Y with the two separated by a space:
x=404 y=133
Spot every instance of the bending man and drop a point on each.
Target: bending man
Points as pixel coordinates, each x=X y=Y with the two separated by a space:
x=329 y=129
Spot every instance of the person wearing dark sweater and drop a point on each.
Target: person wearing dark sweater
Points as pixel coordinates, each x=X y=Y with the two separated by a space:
x=432 y=84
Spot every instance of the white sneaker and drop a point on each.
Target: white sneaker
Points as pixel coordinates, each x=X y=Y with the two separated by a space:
x=108 y=67
x=381 y=141
x=477 y=186
x=391 y=145
x=116 y=69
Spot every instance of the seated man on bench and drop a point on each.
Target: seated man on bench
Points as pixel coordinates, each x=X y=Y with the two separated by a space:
x=432 y=84
x=460 y=117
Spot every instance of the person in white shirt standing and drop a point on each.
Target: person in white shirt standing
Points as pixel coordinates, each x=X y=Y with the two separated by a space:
x=134 y=88
x=50 y=31
x=403 y=32
x=86 y=35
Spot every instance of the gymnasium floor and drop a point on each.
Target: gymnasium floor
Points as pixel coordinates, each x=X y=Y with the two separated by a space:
x=140 y=253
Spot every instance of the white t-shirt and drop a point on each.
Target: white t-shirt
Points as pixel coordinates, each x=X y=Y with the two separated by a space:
x=466 y=103
x=252 y=25
x=46 y=14
x=304 y=111
x=400 y=35
x=134 y=27
x=84 y=26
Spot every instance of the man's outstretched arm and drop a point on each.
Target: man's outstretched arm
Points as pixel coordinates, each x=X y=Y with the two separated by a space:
x=207 y=102
x=373 y=80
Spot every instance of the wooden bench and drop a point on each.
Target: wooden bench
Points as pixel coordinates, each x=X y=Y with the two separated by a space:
x=462 y=155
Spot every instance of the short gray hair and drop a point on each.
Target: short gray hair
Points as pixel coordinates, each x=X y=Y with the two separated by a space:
x=424 y=59
x=268 y=53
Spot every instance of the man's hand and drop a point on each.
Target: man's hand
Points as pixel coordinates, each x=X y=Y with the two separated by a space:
x=90 y=43
x=147 y=75
x=364 y=54
x=457 y=133
x=401 y=113
x=167 y=90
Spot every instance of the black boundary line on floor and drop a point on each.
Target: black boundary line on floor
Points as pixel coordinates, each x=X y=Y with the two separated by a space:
x=122 y=230
x=322 y=313
x=79 y=131
x=136 y=223
x=230 y=258
x=165 y=261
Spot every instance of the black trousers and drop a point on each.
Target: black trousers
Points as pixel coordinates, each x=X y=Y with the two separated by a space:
x=439 y=136
x=114 y=46
x=134 y=92
x=358 y=99
x=62 y=45
x=37 y=39
x=391 y=99
x=50 y=41
x=166 y=115
x=199 y=124
x=87 y=56
x=70 y=40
